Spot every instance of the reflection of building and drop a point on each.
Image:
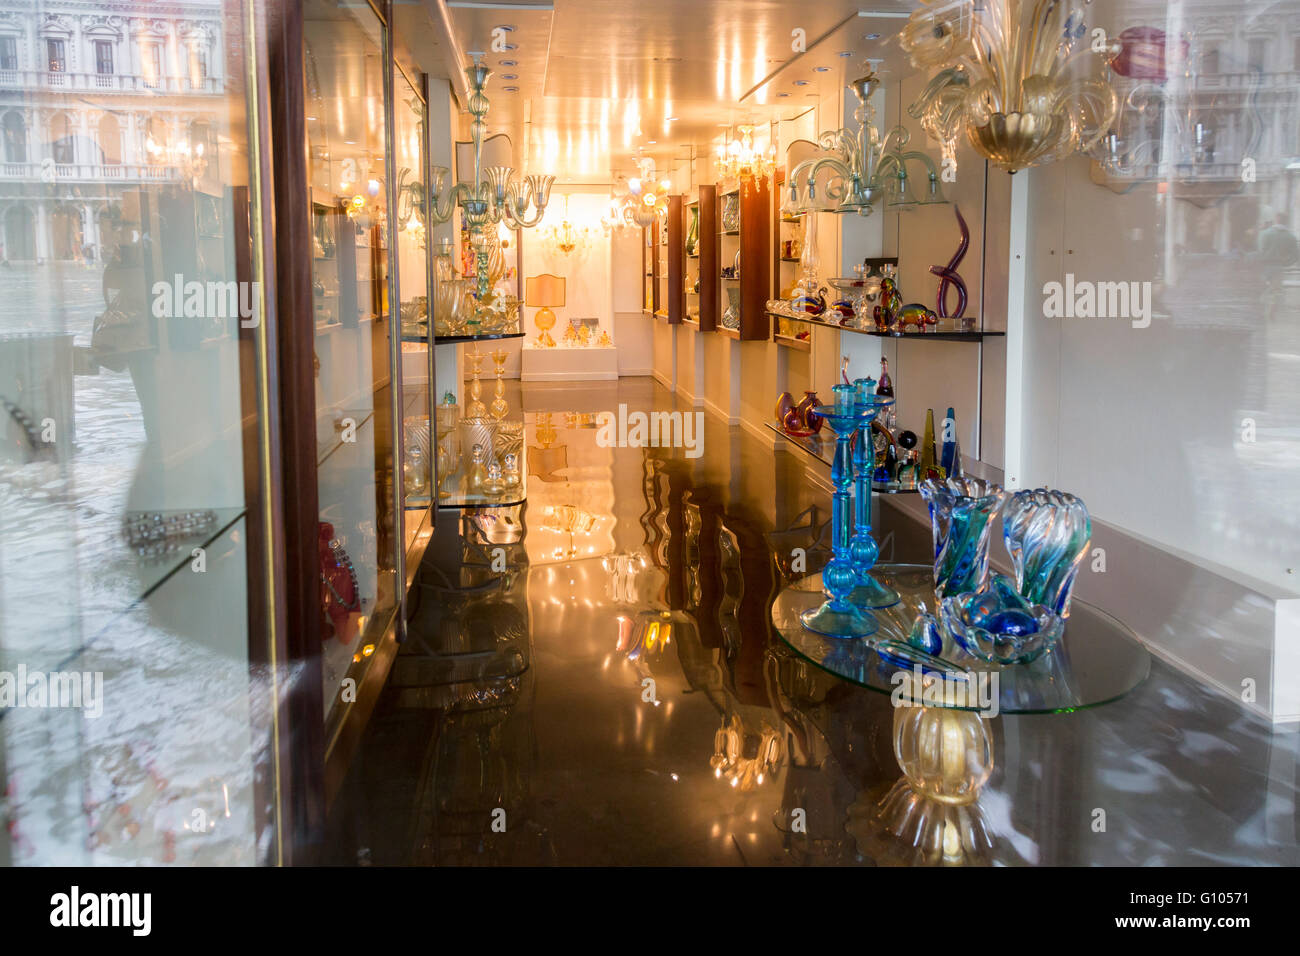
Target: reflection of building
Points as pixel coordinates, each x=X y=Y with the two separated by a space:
x=92 y=105
x=1208 y=110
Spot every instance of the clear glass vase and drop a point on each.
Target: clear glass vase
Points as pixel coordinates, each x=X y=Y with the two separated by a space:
x=961 y=519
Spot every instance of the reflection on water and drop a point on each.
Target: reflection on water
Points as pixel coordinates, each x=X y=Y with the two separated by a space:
x=659 y=720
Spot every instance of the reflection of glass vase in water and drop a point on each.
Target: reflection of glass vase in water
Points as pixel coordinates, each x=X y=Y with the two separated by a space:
x=499 y=406
x=731 y=317
x=475 y=408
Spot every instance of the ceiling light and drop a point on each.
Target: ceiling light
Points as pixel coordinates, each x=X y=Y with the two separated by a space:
x=670 y=119
x=509 y=62
x=508 y=28
x=800 y=82
x=846 y=53
x=651 y=142
x=783 y=93
x=509 y=76
x=871 y=36
x=821 y=69
x=510 y=89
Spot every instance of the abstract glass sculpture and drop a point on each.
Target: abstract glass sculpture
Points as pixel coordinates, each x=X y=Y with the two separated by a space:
x=998 y=625
x=1016 y=86
x=961 y=519
x=948 y=277
x=838 y=616
x=1047 y=535
x=863 y=550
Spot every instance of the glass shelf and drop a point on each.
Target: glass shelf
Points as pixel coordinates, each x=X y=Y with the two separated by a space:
x=950 y=335
x=823 y=449
x=457 y=339
x=1097 y=660
x=454 y=495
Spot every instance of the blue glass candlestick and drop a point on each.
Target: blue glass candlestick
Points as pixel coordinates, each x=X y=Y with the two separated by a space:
x=838 y=616
x=863 y=551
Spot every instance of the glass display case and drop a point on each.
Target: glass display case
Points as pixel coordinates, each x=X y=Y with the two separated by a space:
x=356 y=437
x=133 y=472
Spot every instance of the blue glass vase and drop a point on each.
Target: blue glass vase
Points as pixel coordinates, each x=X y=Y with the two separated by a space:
x=837 y=616
x=1047 y=535
x=863 y=551
x=961 y=519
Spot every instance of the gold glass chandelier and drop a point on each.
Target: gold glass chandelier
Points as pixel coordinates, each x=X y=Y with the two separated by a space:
x=566 y=237
x=1022 y=90
x=739 y=159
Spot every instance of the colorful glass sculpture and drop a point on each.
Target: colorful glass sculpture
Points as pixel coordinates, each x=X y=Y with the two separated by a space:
x=1047 y=534
x=869 y=593
x=997 y=624
x=948 y=276
x=961 y=519
x=838 y=616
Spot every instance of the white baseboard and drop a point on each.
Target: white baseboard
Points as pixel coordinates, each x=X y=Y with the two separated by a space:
x=768 y=437
x=634 y=372
x=662 y=379
x=715 y=410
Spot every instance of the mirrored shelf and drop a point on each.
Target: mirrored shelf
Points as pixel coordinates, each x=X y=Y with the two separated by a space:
x=950 y=335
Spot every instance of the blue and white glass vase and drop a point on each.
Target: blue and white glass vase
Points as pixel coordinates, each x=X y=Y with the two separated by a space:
x=1047 y=534
x=961 y=520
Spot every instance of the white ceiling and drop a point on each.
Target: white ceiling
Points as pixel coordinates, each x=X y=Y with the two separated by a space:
x=597 y=80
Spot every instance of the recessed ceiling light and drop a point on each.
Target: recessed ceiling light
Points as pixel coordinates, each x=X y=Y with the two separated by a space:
x=670 y=119
x=846 y=52
x=783 y=94
x=821 y=69
x=511 y=46
x=651 y=142
x=509 y=28
x=509 y=76
x=800 y=82
x=510 y=89
x=509 y=63
x=871 y=36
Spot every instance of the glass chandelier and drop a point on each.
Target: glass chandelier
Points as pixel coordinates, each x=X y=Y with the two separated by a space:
x=1012 y=85
x=864 y=167
x=738 y=159
x=643 y=203
x=495 y=196
x=566 y=237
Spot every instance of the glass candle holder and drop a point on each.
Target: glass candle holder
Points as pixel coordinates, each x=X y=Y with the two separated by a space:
x=863 y=551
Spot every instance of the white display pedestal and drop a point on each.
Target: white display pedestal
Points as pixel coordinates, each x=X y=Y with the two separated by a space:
x=562 y=364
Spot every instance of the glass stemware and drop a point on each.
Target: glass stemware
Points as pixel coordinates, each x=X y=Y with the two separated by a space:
x=838 y=616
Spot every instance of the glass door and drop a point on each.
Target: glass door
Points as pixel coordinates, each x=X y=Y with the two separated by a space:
x=132 y=442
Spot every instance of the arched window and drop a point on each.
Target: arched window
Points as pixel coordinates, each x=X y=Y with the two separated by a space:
x=15 y=136
x=109 y=135
x=20 y=234
x=63 y=146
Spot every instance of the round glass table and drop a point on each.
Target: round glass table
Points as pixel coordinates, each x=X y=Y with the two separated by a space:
x=1097 y=660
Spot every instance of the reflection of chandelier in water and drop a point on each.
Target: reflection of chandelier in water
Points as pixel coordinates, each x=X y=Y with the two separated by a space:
x=495 y=195
x=739 y=159
x=1012 y=85
x=863 y=169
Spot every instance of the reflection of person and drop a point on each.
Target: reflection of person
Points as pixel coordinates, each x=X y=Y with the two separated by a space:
x=1277 y=244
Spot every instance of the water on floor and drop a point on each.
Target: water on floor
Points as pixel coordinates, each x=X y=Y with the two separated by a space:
x=593 y=678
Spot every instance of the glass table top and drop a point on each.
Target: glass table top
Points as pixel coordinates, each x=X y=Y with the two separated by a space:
x=1097 y=660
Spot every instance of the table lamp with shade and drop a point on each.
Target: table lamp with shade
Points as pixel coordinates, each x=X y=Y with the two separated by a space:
x=543 y=293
